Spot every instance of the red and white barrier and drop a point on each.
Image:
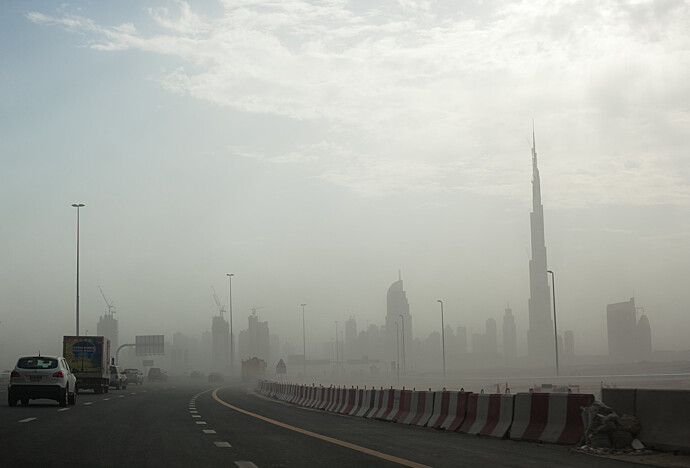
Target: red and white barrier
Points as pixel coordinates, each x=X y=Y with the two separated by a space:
x=549 y=417
x=376 y=403
x=421 y=408
x=350 y=400
x=488 y=415
x=363 y=404
x=451 y=410
x=403 y=407
x=386 y=404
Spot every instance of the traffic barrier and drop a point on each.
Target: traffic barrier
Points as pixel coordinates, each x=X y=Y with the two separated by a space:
x=342 y=399
x=394 y=405
x=549 y=417
x=451 y=412
x=318 y=394
x=421 y=408
x=376 y=403
x=305 y=395
x=488 y=415
x=326 y=399
x=365 y=403
x=403 y=407
x=350 y=398
x=386 y=405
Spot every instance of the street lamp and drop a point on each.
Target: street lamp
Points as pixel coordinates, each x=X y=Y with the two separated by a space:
x=336 y=345
x=397 y=347
x=77 y=206
x=304 y=341
x=232 y=344
x=443 y=338
x=555 y=328
x=403 y=342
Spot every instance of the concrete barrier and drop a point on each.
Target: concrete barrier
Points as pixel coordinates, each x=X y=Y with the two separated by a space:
x=365 y=403
x=488 y=415
x=403 y=407
x=664 y=415
x=376 y=403
x=421 y=408
x=549 y=417
x=449 y=410
x=386 y=403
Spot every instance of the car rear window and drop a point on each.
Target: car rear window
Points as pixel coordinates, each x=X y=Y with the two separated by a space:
x=37 y=363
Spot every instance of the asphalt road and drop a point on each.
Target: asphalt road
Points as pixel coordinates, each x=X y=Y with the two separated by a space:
x=185 y=423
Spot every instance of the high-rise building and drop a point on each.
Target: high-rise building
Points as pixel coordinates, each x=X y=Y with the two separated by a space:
x=351 y=339
x=621 y=324
x=397 y=305
x=254 y=341
x=220 y=344
x=107 y=326
x=491 y=337
x=509 y=335
x=540 y=345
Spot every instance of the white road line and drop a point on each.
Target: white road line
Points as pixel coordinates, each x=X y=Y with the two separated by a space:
x=193 y=411
x=245 y=464
x=201 y=422
x=223 y=444
x=89 y=403
x=29 y=419
x=196 y=415
x=64 y=409
x=209 y=431
x=121 y=396
x=132 y=393
x=106 y=399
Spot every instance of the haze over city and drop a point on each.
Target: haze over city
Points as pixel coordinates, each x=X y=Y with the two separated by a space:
x=318 y=150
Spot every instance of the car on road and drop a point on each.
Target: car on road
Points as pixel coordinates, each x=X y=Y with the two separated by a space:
x=196 y=375
x=117 y=378
x=134 y=377
x=37 y=377
x=157 y=374
x=216 y=377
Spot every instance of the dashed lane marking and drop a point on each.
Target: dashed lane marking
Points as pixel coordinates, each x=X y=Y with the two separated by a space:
x=193 y=411
x=245 y=464
x=64 y=409
x=196 y=415
x=201 y=422
x=222 y=444
x=106 y=399
x=26 y=420
x=209 y=431
x=121 y=396
x=89 y=403
x=342 y=443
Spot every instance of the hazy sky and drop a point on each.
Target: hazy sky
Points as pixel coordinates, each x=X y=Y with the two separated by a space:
x=314 y=149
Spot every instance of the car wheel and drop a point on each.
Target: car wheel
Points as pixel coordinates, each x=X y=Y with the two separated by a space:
x=62 y=400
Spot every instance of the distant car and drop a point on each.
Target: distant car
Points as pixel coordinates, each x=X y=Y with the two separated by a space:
x=157 y=374
x=37 y=377
x=216 y=377
x=117 y=378
x=196 y=375
x=5 y=377
x=134 y=377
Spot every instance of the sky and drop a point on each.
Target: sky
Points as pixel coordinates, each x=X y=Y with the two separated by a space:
x=317 y=150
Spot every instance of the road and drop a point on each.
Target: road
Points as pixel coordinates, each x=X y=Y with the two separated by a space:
x=186 y=423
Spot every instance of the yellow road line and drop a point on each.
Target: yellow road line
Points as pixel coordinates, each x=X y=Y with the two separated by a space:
x=373 y=453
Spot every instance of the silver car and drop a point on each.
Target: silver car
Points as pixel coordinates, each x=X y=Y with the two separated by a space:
x=37 y=377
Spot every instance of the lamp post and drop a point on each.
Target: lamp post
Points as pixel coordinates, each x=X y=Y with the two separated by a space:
x=555 y=328
x=336 y=345
x=402 y=318
x=304 y=341
x=232 y=343
x=78 y=206
x=397 y=347
x=443 y=338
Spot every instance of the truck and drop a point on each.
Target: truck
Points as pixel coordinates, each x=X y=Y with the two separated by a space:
x=253 y=369
x=89 y=358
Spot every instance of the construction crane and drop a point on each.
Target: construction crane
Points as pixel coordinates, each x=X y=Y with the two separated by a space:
x=221 y=308
x=111 y=305
x=254 y=309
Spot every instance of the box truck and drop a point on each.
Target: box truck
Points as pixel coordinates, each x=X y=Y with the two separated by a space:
x=89 y=358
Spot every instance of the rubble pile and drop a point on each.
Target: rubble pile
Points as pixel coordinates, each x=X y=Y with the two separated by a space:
x=606 y=431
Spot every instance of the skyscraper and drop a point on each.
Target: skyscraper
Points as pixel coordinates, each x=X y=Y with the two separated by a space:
x=397 y=305
x=621 y=327
x=540 y=344
x=509 y=335
x=220 y=344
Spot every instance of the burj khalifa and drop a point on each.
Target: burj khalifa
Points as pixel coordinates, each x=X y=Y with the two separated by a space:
x=540 y=336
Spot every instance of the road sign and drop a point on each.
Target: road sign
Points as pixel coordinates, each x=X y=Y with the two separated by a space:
x=281 y=368
x=150 y=344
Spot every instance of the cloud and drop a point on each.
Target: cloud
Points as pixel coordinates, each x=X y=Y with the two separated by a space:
x=421 y=85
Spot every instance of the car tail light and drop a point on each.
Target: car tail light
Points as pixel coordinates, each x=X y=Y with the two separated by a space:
x=14 y=374
x=59 y=374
